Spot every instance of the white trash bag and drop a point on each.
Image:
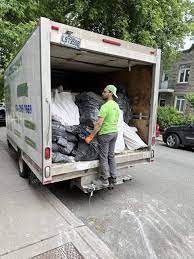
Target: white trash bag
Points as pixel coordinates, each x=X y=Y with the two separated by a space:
x=120 y=143
x=64 y=109
x=131 y=138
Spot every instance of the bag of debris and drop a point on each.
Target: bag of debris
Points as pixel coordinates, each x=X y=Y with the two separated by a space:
x=120 y=143
x=125 y=105
x=60 y=131
x=65 y=147
x=60 y=158
x=87 y=152
x=132 y=139
x=89 y=104
x=75 y=130
x=74 y=151
x=64 y=109
x=55 y=147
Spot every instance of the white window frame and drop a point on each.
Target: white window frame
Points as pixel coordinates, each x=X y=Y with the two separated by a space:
x=185 y=67
x=181 y=100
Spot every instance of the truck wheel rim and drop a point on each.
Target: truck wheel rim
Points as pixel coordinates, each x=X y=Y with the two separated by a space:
x=21 y=165
x=171 y=141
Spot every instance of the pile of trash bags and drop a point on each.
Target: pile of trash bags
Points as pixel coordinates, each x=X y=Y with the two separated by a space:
x=71 y=124
x=68 y=144
x=73 y=119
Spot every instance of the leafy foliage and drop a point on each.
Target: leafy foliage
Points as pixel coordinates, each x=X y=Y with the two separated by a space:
x=155 y=23
x=190 y=99
x=168 y=115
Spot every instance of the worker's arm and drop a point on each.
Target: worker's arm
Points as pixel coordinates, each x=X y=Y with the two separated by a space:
x=97 y=127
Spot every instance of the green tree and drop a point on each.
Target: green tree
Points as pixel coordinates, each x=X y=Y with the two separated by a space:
x=190 y=99
x=157 y=23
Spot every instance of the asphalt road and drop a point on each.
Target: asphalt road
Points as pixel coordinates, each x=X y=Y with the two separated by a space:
x=150 y=217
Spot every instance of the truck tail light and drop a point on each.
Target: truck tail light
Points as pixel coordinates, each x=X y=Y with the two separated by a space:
x=47 y=153
x=153 y=141
x=112 y=42
x=55 y=28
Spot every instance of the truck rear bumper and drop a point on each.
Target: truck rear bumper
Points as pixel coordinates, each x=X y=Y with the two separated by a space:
x=61 y=172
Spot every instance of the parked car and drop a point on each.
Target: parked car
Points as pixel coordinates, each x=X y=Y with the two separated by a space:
x=2 y=115
x=175 y=136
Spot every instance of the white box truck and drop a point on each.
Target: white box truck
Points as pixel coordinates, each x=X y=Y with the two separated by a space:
x=52 y=51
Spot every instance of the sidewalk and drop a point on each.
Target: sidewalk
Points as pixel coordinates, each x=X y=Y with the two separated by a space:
x=33 y=221
x=159 y=138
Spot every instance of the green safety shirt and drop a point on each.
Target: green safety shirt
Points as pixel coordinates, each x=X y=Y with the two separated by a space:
x=110 y=111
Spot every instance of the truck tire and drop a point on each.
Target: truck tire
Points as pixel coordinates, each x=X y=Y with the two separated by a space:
x=22 y=166
x=172 y=141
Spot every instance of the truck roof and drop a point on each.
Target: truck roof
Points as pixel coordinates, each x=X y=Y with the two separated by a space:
x=95 y=41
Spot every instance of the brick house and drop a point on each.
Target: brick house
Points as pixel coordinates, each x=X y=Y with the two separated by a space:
x=179 y=82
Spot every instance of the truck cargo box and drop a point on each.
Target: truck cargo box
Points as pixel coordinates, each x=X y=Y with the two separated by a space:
x=82 y=61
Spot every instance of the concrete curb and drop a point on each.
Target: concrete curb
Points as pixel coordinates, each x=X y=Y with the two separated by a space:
x=74 y=233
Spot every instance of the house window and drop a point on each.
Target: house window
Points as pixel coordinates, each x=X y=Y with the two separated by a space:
x=180 y=103
x=162 y=102
x=184 y=71
x=165 y=77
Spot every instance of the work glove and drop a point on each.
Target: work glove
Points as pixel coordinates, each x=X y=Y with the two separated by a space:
x=89 y=138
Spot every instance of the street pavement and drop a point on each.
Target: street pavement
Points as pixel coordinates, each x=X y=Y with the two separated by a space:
x=150 y=217
x=34 y=223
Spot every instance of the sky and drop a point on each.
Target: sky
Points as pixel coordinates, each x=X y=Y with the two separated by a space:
x=188 y=43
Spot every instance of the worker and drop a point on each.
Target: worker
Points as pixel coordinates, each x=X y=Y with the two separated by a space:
x=106 y=127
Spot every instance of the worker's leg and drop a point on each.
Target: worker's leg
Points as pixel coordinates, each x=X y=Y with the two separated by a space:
x=111 y=156
x=103 y=141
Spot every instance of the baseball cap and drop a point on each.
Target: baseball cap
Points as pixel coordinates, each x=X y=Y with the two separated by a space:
x=112 y=89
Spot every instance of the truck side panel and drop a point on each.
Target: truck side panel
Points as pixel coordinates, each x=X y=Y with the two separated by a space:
x=23 y=101
x=46 y=98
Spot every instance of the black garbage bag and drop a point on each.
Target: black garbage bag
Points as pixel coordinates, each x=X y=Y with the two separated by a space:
x=65 y=147
x=87 y=152
x=75 y=130
x=80 y=131
x=74 y=151
x=59 y=130
x=55 y=147
x=89 y=104
x=61 y=158
x=125 y=105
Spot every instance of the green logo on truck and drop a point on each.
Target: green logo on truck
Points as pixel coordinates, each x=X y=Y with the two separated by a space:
x=30 y=142
x=22 y=90
x=29 y=124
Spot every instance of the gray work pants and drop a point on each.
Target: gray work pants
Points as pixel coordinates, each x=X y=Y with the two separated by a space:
x=107 y=155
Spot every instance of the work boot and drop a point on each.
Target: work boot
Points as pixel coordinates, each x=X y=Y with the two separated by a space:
x=113 y=180
x=101 y=182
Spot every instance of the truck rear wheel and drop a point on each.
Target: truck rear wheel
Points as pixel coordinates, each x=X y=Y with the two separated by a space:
x=23 y=168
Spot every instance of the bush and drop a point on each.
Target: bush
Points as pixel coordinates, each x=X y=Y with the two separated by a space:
x=168 y=115
x=190 y=99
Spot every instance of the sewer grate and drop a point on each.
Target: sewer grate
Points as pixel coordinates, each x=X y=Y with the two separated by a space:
x=67 y=251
